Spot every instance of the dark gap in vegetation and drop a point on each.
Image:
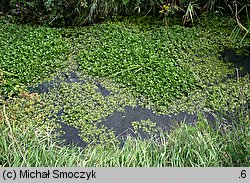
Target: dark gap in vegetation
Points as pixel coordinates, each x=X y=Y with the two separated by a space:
x=241 y=62
x=105 y=92
x=70 y=77
x=45 y=86
x=70 y=135
x=121 y=122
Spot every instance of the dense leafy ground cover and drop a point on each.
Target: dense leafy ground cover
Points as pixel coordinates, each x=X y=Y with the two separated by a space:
x=169 y=70
x=29 y=54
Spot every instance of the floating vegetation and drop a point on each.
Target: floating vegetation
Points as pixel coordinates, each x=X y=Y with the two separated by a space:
x=77 y=102
x=160 y=63
x=95 y=86
x=30 y=54
x=85 y=116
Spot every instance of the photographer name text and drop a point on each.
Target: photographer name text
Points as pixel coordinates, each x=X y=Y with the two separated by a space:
x=55 y=174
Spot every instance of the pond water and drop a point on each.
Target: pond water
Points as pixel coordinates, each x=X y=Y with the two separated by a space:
x=241 y=62
x=123 y=122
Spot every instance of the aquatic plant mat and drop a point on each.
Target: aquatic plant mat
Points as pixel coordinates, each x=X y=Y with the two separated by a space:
x=88 y=111
x=103 y=85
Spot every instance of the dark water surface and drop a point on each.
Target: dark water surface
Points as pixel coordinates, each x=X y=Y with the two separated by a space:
x=120 y=122
x=241 y=62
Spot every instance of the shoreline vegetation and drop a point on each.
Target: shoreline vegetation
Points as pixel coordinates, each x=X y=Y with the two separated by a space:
x=60 y=86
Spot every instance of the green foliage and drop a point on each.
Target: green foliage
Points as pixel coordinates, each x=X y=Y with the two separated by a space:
x=159 y=63
x=146 y=126
x=75 y=12
x=145 y=61
x=29 y=54
x=83 y=108
x=202 y=146
x=29 y=144
x=171 y=67
x=82 y=12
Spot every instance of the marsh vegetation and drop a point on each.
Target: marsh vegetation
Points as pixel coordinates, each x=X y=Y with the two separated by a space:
x=171 y=88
